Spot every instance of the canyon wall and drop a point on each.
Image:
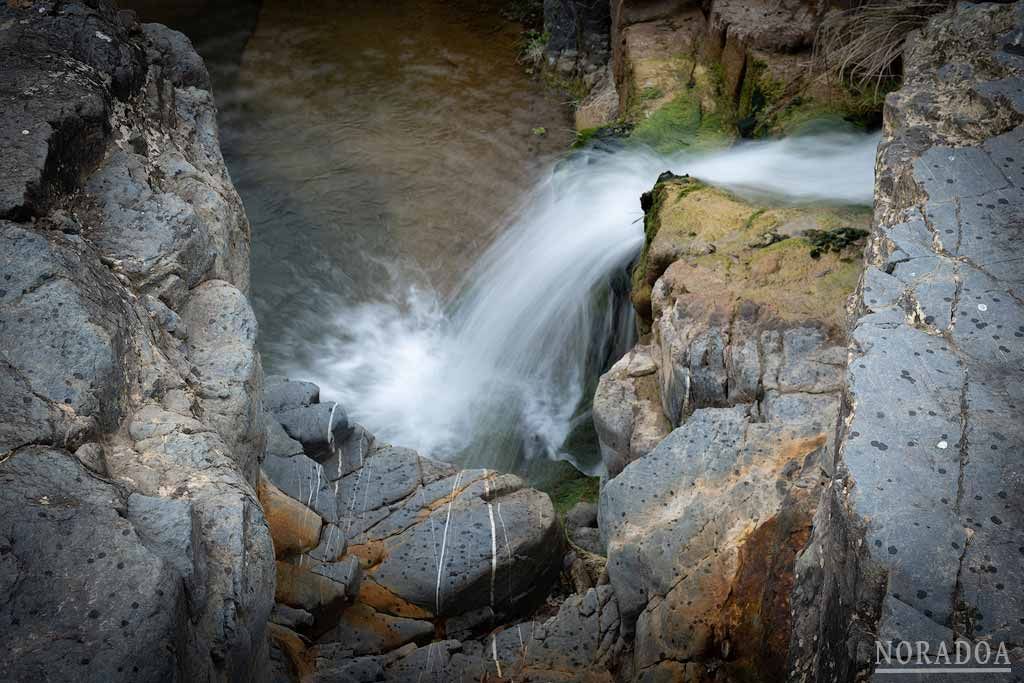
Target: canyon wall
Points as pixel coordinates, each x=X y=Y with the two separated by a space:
x=920 y=531
x=132 y=543
x=792 y=469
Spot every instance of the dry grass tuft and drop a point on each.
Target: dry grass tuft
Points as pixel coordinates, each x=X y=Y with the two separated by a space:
x=864 y=45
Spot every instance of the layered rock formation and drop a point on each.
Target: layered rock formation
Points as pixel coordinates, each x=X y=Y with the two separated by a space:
x=391 y=565
x=133 y=545
x=697 y=75
x=919 y=535
x=716 y=428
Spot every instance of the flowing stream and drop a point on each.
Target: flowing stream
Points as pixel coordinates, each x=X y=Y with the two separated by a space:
x=501 y=375
x=422 y=249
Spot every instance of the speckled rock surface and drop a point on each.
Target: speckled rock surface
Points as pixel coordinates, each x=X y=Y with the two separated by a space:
x=716 y=430
x=920 y=534
x=131 y=412
x=409 y=549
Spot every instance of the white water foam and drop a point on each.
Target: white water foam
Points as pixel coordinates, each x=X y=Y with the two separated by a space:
x=501 y=372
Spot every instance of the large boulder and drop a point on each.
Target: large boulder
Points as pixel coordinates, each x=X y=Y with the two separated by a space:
x=919 y=534
x=447 y=541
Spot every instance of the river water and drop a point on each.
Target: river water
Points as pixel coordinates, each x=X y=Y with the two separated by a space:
x=420 y=249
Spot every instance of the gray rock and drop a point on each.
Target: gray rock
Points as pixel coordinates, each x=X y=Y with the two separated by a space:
x=440 y=550
x=184 y=66
x=62 y=326
x=332 y=544
x=346 y=572
x=57 y=520
x=281 y=394
x=362 y=630
x=589 y=539
x=278 y=442
x=91 y=455
x=318 y=427
x=291 y=617
x=918 y=535
x=582 y=514
x=152 y=234
x=303 y=479
x=222 y=347
x=80 y=345
x=628 y=416
x=167 y=527
x=37 y=168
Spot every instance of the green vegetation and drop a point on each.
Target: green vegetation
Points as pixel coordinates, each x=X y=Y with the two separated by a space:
x=683 y=124
x=531 y=47
x=566 y=493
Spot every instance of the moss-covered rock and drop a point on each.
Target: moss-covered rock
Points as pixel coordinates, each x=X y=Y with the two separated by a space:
x=798 y=262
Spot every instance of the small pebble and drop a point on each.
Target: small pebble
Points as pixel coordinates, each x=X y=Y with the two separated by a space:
x=982 y=307
x=942 y=444
x=24 y=132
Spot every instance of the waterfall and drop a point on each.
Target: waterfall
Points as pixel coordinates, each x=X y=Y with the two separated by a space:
x=502 y=374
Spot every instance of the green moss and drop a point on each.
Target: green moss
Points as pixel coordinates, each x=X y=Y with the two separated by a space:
x=566 y=493
x=682 y=124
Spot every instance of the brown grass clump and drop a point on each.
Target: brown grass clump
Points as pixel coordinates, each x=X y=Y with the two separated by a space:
x=864 y=45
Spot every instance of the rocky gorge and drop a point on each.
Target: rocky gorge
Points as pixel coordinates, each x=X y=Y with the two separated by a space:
x=812 y=445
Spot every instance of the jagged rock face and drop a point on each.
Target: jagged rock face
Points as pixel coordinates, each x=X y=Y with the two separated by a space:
x=380 y=550
x=919 y=537
x=627 y=410
x=695 y=75
x=716 y=429
x=132 y=426
x=576 y=644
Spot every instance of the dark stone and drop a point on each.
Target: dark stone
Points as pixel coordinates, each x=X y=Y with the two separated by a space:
x=317 y=427
x=62 y=529
x=281 y=394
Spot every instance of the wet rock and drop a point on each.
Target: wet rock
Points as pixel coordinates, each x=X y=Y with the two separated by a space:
x=601 y=105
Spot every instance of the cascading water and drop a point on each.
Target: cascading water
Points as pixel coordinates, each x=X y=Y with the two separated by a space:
x=503 y=373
